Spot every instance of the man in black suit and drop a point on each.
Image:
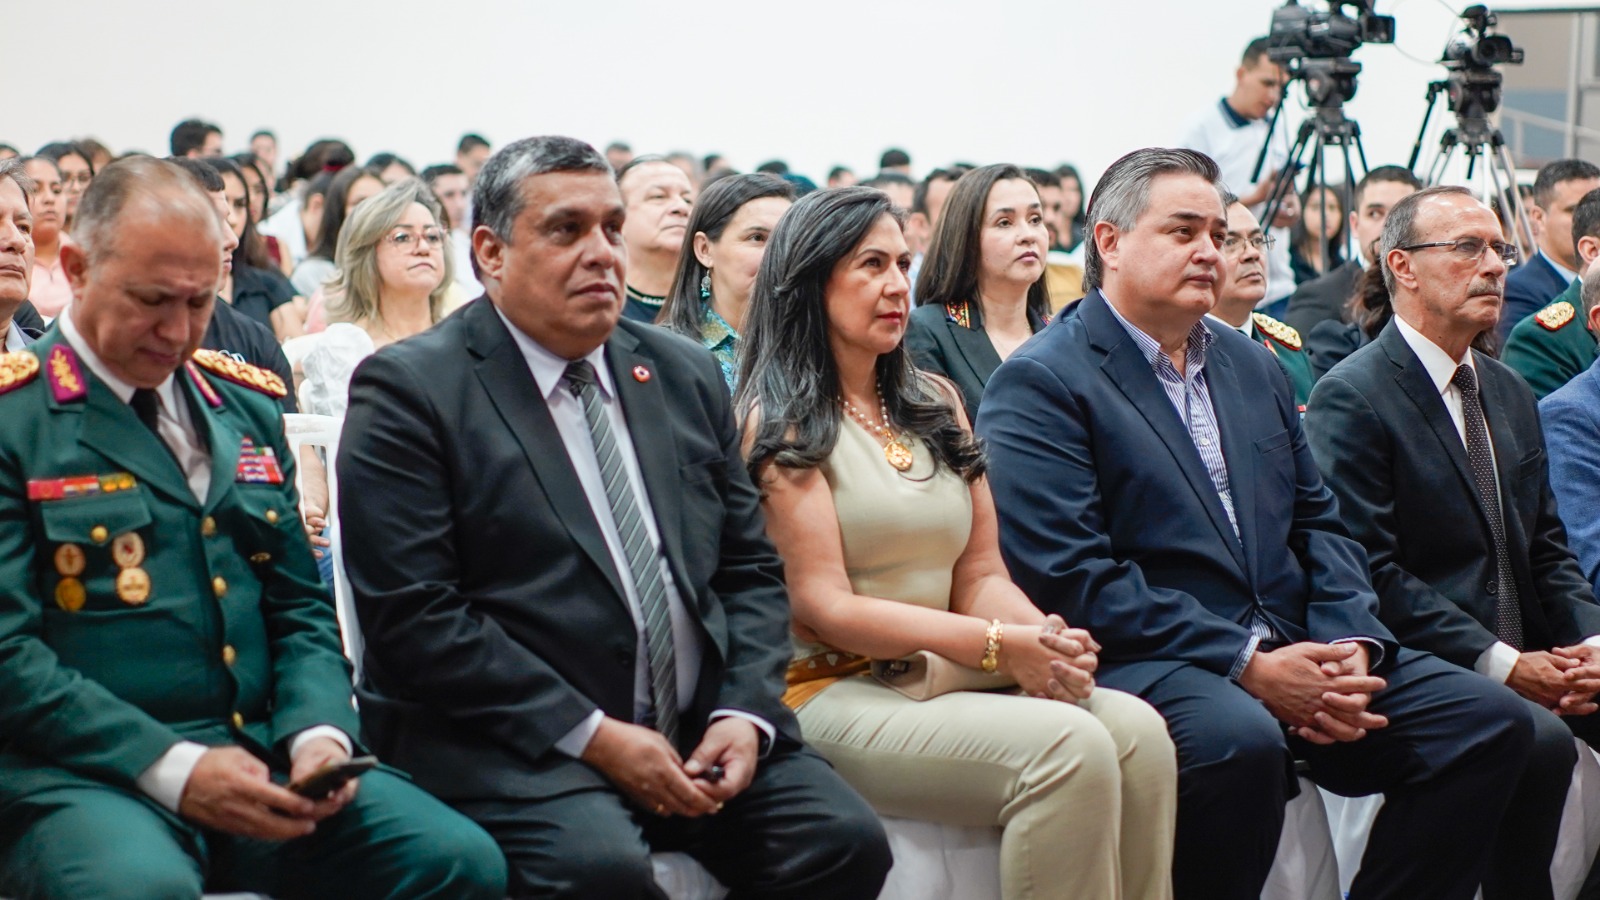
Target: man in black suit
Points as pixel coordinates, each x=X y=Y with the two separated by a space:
x=1324 y=298
x=1437 y=458
x=576 y=630
x=1154 y=487
x=1556 y=191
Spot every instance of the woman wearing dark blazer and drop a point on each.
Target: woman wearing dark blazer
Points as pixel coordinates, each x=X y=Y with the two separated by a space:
x=981 y=289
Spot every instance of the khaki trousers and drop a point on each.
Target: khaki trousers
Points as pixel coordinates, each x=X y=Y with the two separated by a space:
x=1086 y=795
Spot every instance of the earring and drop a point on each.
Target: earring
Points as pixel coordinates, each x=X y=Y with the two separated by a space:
x=705 y=286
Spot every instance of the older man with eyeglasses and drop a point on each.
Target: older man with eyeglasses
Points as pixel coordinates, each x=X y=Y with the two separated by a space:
x=1435 y=453
x=1244 y=255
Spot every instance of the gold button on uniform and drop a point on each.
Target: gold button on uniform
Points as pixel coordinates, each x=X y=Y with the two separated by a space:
x=259 y=558
x=98 y=534
x=238 y=720
x=272 y=517
x=208 y=527
x=218 y=586
x=229 y=655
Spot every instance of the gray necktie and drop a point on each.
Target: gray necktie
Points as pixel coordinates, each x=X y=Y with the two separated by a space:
x=644 y=561
x=1508 y=615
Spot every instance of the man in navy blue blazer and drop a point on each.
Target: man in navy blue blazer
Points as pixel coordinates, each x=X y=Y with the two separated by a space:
x=1570 y=418
x=1154 y=487
x=1556 y=191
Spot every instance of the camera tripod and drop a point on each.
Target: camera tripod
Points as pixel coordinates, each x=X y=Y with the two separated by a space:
x=1471 y=95
x=1329 y=83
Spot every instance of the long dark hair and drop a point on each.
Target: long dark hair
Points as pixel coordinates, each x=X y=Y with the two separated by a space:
x=1300 y=236
x=787 y=370
x=711 y=214
x=954 y=260
x=252 y=250
x=333 y=209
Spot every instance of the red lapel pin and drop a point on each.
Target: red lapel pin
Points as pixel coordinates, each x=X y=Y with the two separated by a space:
x=641 y=374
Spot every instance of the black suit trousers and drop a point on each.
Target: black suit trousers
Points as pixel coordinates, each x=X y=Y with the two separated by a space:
x=1447 y=763
x=797 y=832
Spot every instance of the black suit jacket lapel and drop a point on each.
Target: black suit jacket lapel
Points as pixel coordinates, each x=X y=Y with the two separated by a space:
x=644 y=405
x=1414 y=380
x=503 y=372
x=1131 y=373
x=1238 y=449
x=976 y=350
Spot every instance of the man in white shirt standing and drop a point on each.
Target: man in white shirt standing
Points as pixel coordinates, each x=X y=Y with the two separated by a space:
x=1232 y=131
x=1435 y=453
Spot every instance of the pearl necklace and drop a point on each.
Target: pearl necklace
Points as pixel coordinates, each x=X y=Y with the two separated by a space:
x=897 y=449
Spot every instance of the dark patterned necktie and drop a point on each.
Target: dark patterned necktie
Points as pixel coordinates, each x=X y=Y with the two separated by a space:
x=644 y=561
x=147 y=406
x=1508 y=615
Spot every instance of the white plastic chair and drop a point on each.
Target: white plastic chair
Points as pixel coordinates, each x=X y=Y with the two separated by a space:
x=322 y=432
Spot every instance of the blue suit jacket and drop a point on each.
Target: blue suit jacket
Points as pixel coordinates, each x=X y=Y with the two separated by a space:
x=1570 y=417
x=1529 y=288
x=1108 y=517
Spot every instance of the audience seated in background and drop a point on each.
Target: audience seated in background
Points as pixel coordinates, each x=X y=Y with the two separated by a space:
x=1244 y=249
x=1555 y=344
x=50 y=292
x=1316 y=242
x=76 y=173
x=875 y=497
x=981 y=292
x=345 y=192
x=1543 y=275
x=253 y=286
x=724 y=242
x=1570 y=416
x=658 y=197
x=1223 y=588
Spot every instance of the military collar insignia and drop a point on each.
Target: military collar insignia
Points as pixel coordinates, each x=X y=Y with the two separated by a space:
x=17 y=369
x=225 y=366
x=1276 y=330
x=1556 y=315
x=202 y=385
x=65 y=374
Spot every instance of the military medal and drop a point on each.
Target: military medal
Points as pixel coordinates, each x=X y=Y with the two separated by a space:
x=896 y=449
x=133 y=586
x=69 y=560
x=127 y=550
x=257 y=465
x=70 y=594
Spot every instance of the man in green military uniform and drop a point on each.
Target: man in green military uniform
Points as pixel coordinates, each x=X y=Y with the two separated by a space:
x=1244 y=252
x=168 y=657
x=1550 y=347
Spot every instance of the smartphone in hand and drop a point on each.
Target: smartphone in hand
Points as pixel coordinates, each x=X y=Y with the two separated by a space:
x=332 y=777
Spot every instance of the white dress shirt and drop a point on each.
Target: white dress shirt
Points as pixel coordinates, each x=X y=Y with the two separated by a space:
x=14 y=339
x=1497 y=661
x=548 y=372
x=166 y=778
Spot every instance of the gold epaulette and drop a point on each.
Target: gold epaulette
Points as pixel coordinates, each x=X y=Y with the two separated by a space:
x=1556 y=315
x=1278 y=331
x=252 y=377
x=17 y=369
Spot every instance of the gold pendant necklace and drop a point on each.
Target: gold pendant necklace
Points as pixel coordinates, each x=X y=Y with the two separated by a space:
x=896 y=450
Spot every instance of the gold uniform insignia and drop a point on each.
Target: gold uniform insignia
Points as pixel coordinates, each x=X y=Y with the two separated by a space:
x=1276 y=330
x=17 y=369
x=70 y=595
x=253 y=377
x=1555 y=315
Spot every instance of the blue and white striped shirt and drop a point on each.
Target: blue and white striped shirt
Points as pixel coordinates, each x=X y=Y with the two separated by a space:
x=1191 y=398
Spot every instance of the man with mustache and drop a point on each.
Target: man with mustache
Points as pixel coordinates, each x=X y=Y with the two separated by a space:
x=1245 y=249
x=1435 y=453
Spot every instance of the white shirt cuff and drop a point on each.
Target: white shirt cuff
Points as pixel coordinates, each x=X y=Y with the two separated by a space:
x=1373 y=645
x=166 y=778
x=761 y=724
x=1497 y=662
x=316 y=731
x=1592 y=641
x=574 y=742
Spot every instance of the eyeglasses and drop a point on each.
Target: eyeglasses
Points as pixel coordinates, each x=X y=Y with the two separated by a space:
x=79 y=179
x=1470 y=249
x=1233 y=245
x=404 y=240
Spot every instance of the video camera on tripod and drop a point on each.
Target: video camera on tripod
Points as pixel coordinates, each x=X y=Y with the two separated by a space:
x=1314 y=48
x=1473 y=92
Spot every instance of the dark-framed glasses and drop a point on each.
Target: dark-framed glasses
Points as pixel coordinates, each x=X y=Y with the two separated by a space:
x=1234 y=244
x=404 y=239
x=1470 y=249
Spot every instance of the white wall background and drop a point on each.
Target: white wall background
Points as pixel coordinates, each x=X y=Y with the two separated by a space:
x=818 y=83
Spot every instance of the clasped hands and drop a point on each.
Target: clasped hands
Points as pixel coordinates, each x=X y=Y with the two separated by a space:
x=645 y=766
x=1563 y=680
x=232 y=791
x=1050 y=661
x=1321 y=691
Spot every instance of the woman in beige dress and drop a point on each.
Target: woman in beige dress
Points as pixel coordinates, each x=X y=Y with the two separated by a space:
x=876 y=499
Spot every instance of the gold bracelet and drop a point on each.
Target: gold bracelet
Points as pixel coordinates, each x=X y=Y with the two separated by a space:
x=991 y=646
